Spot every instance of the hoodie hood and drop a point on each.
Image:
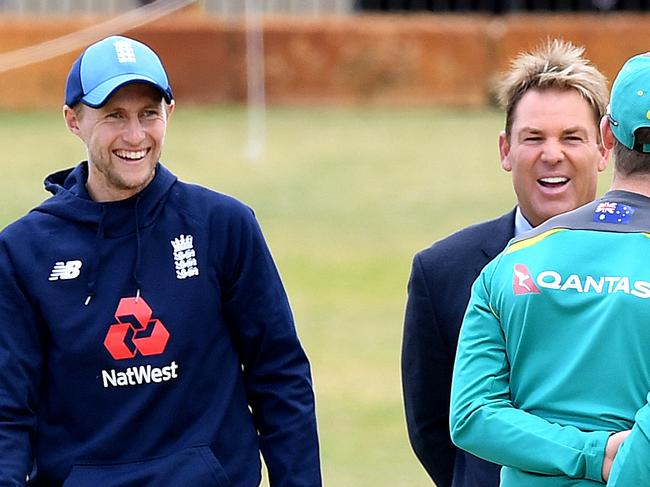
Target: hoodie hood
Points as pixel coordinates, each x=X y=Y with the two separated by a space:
x=71 y=201
x=113 y=219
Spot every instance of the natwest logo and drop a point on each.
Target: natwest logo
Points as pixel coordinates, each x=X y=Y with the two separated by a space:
x=136 y=331
x=522 y=282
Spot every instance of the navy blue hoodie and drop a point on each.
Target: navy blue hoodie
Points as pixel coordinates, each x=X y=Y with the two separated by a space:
x=148 y=342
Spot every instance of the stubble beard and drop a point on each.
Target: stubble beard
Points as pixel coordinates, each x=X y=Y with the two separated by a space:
x=113 y=181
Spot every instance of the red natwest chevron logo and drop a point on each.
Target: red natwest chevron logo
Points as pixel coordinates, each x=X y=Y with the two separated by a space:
x=135 y=331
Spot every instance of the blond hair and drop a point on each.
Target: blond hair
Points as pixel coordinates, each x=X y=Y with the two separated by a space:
x=556 y=64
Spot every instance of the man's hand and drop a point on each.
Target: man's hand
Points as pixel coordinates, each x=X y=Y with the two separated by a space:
x=611 y=449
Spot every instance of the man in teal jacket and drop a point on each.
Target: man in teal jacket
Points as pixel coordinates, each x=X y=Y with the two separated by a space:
x=553 y=360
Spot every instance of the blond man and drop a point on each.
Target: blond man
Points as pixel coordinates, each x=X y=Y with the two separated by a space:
x=553 y=98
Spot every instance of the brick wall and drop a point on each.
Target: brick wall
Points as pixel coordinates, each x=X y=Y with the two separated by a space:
x=364 y=59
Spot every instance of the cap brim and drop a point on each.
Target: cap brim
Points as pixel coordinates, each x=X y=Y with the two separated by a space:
x=101 y=93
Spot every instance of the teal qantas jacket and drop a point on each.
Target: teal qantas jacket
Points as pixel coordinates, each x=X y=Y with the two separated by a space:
x=632 y=465
x=554 y=350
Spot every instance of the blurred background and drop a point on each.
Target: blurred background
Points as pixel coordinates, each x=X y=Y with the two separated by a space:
x=359 y=131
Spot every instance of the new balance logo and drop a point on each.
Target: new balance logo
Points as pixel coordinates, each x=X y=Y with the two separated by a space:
x=66 y=270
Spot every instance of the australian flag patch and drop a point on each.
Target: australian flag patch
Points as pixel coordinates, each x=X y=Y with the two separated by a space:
x=617 y=213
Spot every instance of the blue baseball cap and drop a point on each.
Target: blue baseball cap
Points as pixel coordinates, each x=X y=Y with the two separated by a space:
x=108 y=65
x=629 y=105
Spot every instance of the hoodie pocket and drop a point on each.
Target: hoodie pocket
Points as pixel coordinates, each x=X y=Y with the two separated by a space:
x=196 y=467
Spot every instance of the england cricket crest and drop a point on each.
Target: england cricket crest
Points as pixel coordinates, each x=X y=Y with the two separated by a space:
x=185 y=257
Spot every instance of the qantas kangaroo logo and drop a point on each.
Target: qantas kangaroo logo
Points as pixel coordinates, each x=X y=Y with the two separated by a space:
x=522 y=282
x=136 y=331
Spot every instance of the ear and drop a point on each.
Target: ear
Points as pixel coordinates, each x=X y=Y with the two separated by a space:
x=170 y=108
x=504 y=151
x=71 y=119
x=606 y=134
x=604 y=157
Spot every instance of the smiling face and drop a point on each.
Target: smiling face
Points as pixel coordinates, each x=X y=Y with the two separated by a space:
x=553 y=152
x=123 y=138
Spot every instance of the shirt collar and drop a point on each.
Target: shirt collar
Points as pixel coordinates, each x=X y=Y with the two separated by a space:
x=521 y=224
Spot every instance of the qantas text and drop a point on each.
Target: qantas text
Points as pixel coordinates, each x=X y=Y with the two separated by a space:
x=600 y=285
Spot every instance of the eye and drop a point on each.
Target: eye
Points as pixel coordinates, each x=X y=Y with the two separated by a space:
x=532 y=138
x=151 y=113
x=574 y=138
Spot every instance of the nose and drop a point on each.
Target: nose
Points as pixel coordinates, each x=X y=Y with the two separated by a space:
x=552 y=152
x=134 y=132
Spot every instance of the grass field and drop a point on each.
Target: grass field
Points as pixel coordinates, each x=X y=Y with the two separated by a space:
x=345 y=197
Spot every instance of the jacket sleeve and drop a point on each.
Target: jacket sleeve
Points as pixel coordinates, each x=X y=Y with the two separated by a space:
x=426 y=382
x=276 y=370
x=632 y=463
x=20 y=366
x=484 y=420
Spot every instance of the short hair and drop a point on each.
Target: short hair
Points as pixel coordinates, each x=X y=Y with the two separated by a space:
x=629 y=162
x=556 y=64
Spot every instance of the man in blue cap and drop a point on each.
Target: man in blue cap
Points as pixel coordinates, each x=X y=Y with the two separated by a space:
x=553 y=363
x=145 y=335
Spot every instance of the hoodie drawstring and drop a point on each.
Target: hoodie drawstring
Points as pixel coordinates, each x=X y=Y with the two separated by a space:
x=136 y=266
x=92 y=272
x=94 y=266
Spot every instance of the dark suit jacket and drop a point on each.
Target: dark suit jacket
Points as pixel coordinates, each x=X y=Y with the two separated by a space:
x=438 y=293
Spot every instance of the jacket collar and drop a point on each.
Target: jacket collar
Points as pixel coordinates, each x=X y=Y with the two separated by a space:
x=72 y=202
x=501 y=233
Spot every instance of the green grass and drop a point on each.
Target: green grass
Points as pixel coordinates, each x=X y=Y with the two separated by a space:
x=345 y=197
